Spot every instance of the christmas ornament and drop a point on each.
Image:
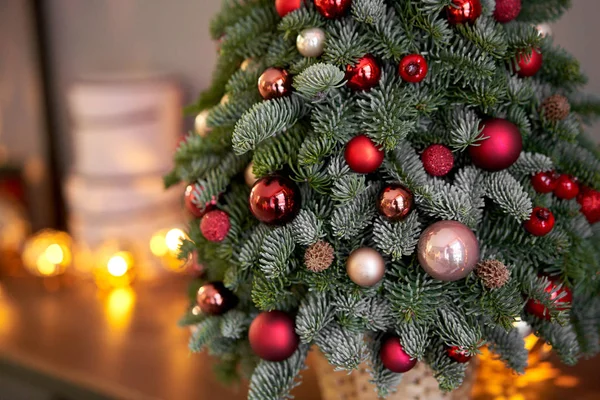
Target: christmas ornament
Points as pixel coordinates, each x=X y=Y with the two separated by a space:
x=318 y=256
x=463 y=11
x=556 y=107
x=413 y=68
x=528 y=63
x=589 y=199
x=194 y=266
x=567 y=187
x=310 y=42
x=273 y=336
x=245 y=64
x=540 y=222
x=275 y=200
x=249 y=176
x=364 y=75
x=274 y=83
x=215 y=225
x=365 y=267
x=544 y=182
x=457 y=354
x=224 y=99
x=215 y=299
x=191 y=192
x=544 y=29
x=285 y=7
x=394 y=357
x=395 y=202
x=437 y=160
x=500 y=146
x=522 y=327
x=331 y=9
x=448 y=250
x=200 y=124
x=492 y=273
x=507 y=10
x=362 y=155
x=536 y=308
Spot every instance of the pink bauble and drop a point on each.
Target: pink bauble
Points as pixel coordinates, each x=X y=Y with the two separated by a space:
x=273 y=336
x=394 y=357
x=500 y=146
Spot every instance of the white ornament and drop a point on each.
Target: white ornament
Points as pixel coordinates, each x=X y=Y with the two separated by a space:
x=523 y=327
x=310 y=42
x=544 y=29
x=249 y=176
x=200 y=124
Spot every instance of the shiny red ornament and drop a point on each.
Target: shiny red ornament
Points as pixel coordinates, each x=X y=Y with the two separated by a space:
x=437 y=160
x=395 y=202
x=544 y=182
x=331 y=9
x=413 y=68
x=457 y=354
x=362 y=155
x=528 y=63
x=463 y=11
x=589 y=199
x=273 y=336
x=364 y=75
x=192 y=191
x=394 y=357
x=285 y=7
x=275 y=200
x=501 y=145
x=274 y=83
x=215 y=225
x=507 y=10
x=540 y=222
x=566 y=188
x=215 y=299
x=536 y=308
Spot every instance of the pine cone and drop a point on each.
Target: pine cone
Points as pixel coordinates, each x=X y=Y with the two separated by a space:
x=319 y=256
x=493 y=273
x=556 y=107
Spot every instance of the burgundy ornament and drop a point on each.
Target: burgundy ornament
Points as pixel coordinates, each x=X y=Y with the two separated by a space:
x=589 y=199
x=191 y=191
x=566 y=188
x=215 y=299
x=274 y=83
x=215 y=225
x=501 y=145
x=544 y=182
x=285 y=7
x=507 y=10
x=463 y=11
x=528 y=63
x=536 y=308
x=394 y=357
x=395 y=202
x=364 y=75
x=437 y=160
x=413 y=68
x=331 y=9
x=273 y=336
x=540 y=222
x=275 y=200
x=457 y=354
x=363 y=155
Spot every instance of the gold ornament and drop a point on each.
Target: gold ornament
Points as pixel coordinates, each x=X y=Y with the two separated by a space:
x=365 y=267
x=249 y=176
x=200 y=124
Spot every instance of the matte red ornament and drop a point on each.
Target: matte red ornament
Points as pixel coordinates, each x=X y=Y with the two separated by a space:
x=413 y=68
x=540 y=222
x=566 y=188
x=507 y=10
x=215 y=225
x=395 y=202
x=275 y=200
x=463 y=11
x=273 y=336
x=544 y=182
x=457 y=354
x=364 y=75
x=528 y=63
x=215 y=299
x=192 y=191
x=394 y=357
x=501 y=145
x=362 y=155
x=331 y=9
x=285 y=7
x=437 y=160
x=274 y=83
x=589 y=199
x=536 y=308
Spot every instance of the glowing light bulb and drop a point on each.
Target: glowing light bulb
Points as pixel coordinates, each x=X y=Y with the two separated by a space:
x=54 y=254
x=119 y=264
x=44 y=266
x=173 y=239
x=158 y=245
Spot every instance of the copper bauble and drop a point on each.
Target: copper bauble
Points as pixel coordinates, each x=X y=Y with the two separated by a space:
x=201 y=125
x=274 y=83
x=275 y=200
x=215 y=299
x=395 y=202
x=365 y=267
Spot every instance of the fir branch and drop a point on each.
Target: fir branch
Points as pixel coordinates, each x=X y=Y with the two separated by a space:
x=397 y=239
x=368 y=11
x=316 y=81
x=343 y=349
x=314 y=314
x=414 y=338
x=234 y=324
x=206 y=331
x=537 y=11
x=503 y=189
x=529 y=164
x=354 y=216
x=562 y=339
x=307 y=228
x=345 y=44
x=508 y=345
x=385 y=380
x=275 y=259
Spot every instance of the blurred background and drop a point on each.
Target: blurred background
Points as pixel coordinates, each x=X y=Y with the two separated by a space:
x=90 y=287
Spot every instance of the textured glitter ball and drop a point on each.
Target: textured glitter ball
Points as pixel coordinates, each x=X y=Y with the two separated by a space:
x=437 y=159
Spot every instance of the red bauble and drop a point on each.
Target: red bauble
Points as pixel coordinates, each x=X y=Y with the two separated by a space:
x=285 y=7
x=362 y=155
x=394 y=357
x=590 y=204
x=274 y=83
x=273 y=336
x=567 y=187
x=437 y=160
x=215 y=299
x=507 y=10
x=457 y=354
x=364 y=75
x=274 y=200
x=331 y=9
x=215 y=225
x=544 y=182
x=463 y=11
x=413 y=68
x=191 y=191
x=536 y=308
x=395 y=202
x=500 y=148
x=528 y=64
x=540 y=222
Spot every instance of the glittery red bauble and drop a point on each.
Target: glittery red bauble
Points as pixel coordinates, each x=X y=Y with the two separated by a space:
x=274 y=200
x=215 y=299
x=394 y=357
x=192 y=191
x=540 y=222
x=362 y=155
x=567 y=187
x=331 y=9
x=215 y=225
x=364 y=75
x=413 y=68
x=463 y=11
x=273 y=336
x=544 y=182
x=536 y=308
x=274 y=83
x=507 y=10
x=528 y=64
x=457 y=354
x=589 y=199
x=500 y=148
x=395 y=202
x=437 y=160
x=284 y=7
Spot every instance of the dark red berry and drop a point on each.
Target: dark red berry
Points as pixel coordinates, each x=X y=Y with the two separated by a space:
x=544 y=182
x=541 y=222
x=457 y=354
x=536 y=308
x=413 y=68
x=566 y=187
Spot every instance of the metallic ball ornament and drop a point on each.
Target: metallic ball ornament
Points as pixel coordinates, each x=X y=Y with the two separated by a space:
x=448 y=250
x=395 y=202
x=275 y=200
x=362 y=155
x=589 y=199
x=310 y=42
x=463 y=11
x=500 y=146
x=200 y=124
x=365 y=267
x=215 y=299
x=364 y=75
x=540 y=223
x=191 y=192
x=528 y=63
x=272 y=336
x=561 y=297
x=285 y=7
x=413 y=68
x=331 y=9
x=459 y=355
x=394 y=357
x=274 y=83
x=249 y=176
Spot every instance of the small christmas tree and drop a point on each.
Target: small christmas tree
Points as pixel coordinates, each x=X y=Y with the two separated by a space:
x=390 y=181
